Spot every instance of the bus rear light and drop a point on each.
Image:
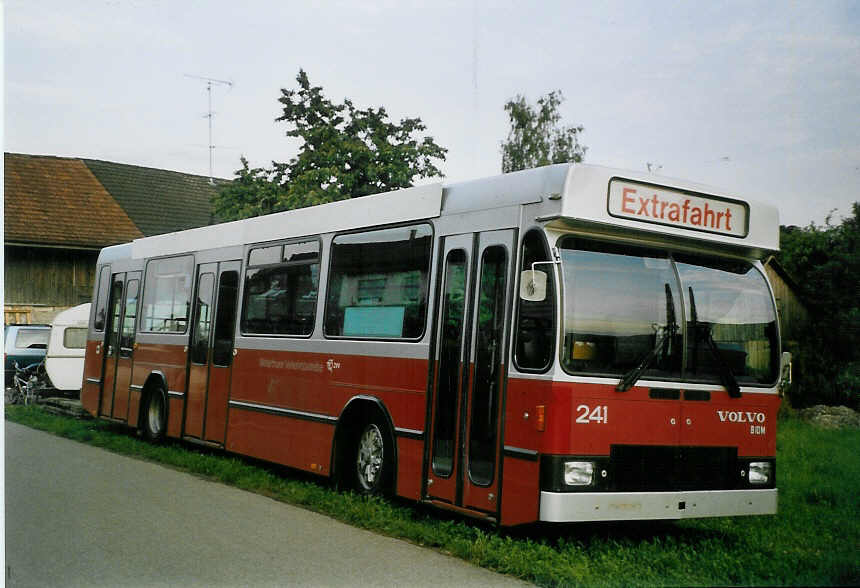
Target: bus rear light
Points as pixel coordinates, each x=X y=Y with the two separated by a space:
x=540 y=421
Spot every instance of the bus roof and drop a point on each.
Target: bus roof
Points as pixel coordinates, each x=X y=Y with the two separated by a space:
x=416 y=203
x=573 y=195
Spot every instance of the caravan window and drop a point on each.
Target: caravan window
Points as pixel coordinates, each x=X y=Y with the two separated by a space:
x=75 y=338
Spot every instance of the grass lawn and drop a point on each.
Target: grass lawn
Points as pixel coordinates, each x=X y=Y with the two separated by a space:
x=814 y=540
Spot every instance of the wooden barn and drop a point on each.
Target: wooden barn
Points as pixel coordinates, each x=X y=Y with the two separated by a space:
x=792 y=312
x=59 y=211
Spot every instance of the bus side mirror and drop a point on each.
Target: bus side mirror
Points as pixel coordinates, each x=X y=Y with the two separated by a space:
x=784 y=372
x=533 y=285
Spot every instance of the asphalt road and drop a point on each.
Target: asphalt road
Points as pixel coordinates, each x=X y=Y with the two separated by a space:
x=81 y=516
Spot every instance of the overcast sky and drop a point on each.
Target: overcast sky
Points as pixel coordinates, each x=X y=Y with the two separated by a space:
x=759 y=98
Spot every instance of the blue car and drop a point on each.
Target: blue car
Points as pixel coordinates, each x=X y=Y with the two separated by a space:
x=25 y=344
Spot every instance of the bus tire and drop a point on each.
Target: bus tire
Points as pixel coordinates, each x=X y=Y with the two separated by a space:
x=154 y=415
x=372 y=464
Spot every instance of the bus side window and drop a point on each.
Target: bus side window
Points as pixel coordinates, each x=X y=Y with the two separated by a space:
x=167 y=295
x=101 y=299
x=535 y=331
x=378 y=283
x=126 y=343
x=281 y=292
x=225 y=320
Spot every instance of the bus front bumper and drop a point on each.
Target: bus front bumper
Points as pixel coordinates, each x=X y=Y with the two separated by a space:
x=619 y=506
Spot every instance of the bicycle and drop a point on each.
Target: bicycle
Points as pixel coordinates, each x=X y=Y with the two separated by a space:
x=29 y=383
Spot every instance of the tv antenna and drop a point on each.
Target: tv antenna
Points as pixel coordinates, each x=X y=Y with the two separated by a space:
x=476 y=127
x=210 y=114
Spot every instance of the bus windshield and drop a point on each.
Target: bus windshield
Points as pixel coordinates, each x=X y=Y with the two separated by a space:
x=631 y=310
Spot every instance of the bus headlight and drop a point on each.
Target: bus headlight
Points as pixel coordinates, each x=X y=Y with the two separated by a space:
x=578 y=473
x=760 y=472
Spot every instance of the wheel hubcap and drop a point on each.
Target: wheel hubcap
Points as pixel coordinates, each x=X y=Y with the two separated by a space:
x=370 y=457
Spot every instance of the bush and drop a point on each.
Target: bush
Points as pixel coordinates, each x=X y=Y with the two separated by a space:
x=825 y=262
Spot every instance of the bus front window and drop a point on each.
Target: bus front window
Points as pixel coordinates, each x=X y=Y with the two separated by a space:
x=647 y=313
x=731 y=321
x=619 y=304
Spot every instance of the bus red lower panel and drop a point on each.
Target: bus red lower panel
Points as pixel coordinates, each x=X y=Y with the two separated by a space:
x=216 y=404
x=90 y=397
x=169 y=362
x=134 y=395
x=108 y=384
x=311 y=392
x=410 y=457
x=174 y=416
x=520 y=491
x=123 y=379
x=587 y=419
x=91 y=385
x=294 y=442
x=323 y=384
x=749 y=423
x=195 y=399
x=522 y=426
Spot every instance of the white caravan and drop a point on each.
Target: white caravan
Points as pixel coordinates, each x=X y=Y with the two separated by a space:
x=64 y=362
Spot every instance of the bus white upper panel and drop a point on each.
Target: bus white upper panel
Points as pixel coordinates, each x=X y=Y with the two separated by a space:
x=405 y=205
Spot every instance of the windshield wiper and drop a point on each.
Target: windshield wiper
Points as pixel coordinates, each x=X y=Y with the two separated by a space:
x=629 y=379
x=703 y=331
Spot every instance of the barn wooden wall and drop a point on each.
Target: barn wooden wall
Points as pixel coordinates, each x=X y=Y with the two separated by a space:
x=43 y=277
x=792 y=312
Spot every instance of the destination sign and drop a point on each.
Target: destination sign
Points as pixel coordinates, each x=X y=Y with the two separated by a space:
x=664 y=206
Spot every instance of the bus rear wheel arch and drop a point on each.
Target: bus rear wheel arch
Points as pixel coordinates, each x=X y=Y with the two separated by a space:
x=365 y=449
x=153 y=411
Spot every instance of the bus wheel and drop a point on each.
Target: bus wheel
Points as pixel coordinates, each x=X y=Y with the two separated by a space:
x=155 y=416
x=373 y=459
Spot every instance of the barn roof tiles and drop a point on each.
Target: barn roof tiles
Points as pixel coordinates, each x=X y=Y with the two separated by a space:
x=157 y=200
x=67 y=201
x=58 y=201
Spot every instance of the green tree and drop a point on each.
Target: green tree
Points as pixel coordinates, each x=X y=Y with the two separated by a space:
x=254 y=191
x=825 y=261
x=345 y=152
x=536 y=136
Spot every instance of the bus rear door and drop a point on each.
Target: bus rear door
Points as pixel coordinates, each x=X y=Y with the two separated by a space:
x=119 y=345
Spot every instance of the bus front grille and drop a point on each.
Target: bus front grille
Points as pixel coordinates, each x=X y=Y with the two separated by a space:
x=642 y=468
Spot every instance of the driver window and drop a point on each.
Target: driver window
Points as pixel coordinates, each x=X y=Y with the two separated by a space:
x=535 y=332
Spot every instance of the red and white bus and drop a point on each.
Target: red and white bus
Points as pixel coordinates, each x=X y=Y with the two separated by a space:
x=568 y=343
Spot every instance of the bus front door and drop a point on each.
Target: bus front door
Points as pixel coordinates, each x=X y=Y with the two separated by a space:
x=472 y=329
x=119 y=345
x=210 y=354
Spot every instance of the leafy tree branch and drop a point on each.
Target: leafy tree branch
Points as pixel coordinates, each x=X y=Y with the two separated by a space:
x=345 y=152
x=537 y=137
